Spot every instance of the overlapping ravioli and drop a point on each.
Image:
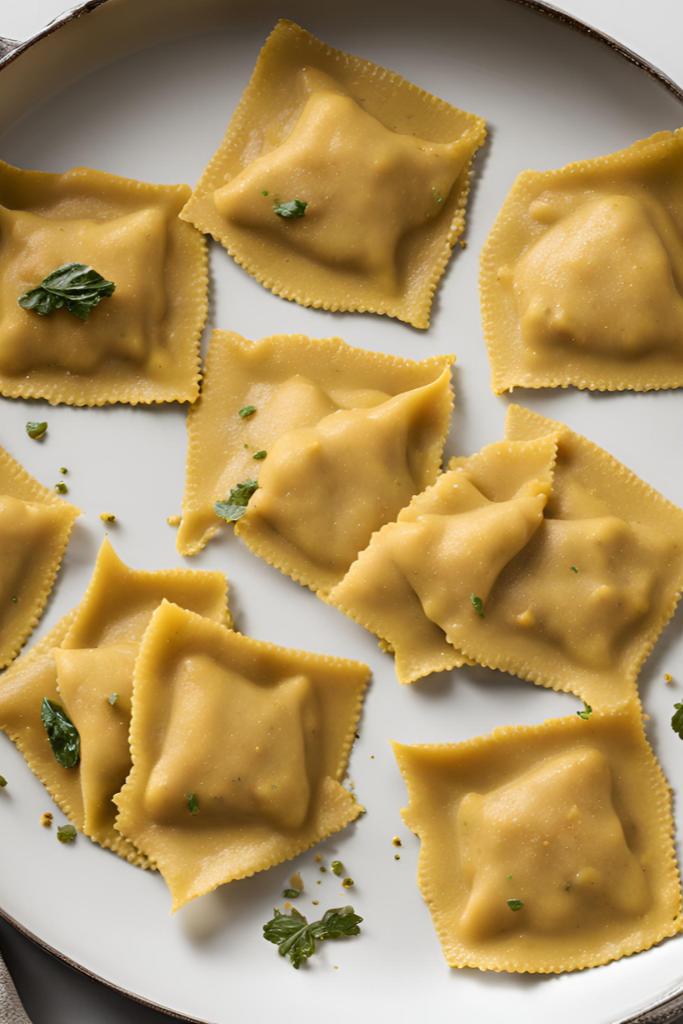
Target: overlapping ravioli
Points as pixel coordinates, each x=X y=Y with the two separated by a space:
x=545 y=848
x=413 y=584
x=381 y=167
x=34 y=531
x=85 y=660
x=139 y=345
x=348 y=435
x=582 y=274
x=239 y=748
x=567 y=582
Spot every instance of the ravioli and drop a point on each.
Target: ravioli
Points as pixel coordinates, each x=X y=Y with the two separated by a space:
x=239 y=748
x=139 y=345
x=87 y=658
x=349 y=437
x=382 y=167
x=545 y=848
x=582 y=274
x=35 y=526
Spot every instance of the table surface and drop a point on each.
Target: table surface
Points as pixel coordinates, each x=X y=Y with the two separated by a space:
x=51 y=992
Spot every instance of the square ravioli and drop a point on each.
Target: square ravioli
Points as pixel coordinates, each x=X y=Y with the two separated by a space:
x=35 y=526
x=307 y=420
x=85 y=660
x=239 y=748
x=561 y=570
x=545 y=848
x=339 y=184
x=582 y=274
x=140 y=344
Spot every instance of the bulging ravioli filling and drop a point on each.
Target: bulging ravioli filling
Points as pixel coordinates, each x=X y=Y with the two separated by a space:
x=26 y=528
x=552 y=839
x=268 y=738
x=605 y=278
x=130 y=250
x=366 y=186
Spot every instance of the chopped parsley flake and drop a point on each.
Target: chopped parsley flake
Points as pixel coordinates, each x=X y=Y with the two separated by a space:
x=336 y=867
x=192 y=803
x=247 y=410
x=347 y=883
x=573 y=568
x=3 y=781
x=61 y=487
x=66 y=833
x=478 y=605
x=291 y=894
x=260 y=455
x=294 y=208
x=265 y=192
x=515 y=904
x=64 y=471
x=295 y=937
x=677 y=720
x=586 y=713
x=236 y=505
x=36 y=430
x=15 y=599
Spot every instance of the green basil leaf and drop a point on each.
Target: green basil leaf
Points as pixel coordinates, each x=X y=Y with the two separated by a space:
x=294 y=208
x=586 y=713
x=247 y=410
x=236 y=505
x=515 y=904
x=192 y=803
x=74 y=285
x=62 y=733
x=677 y=720
x=36 y=430
x=478 y=605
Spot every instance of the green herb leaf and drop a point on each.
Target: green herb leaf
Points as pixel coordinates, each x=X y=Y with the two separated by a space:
x=478 y=605
x=36 y=430
x=61 y=488
x=15 y=599
x=236 y=505
x=62 y=733
x=573 y=568
x=260 y=455
x=515 y=904
x=294 y=208
x=112 y=698
x=247 y=410
x=337 y=867
x=586 y=713
x=3 y=781
x=291 y=894
x=677 y=720
x=295 y=937
x=192 y=803
x=64 y=470
x=66 y=833
x=74 y=285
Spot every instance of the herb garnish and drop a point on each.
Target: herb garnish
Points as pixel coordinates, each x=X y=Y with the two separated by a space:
x=64 y=471
x=247 y=410
x=192 y=803
x=61 y=488
x=677 y=720
x=573 y=568
x=291 y=894
x=66 y=833
x=112 y=698
x=74 y=285
x=236 y=505
x=260 y=455
x=15 y=599
x=586 y=713
x=295 y=937
x=478 y=605
x=294 y=208
x=348 y=883
x=3 y=781
x=515 y=904
x=36 y=430
x=62 y=733
x=337 y=867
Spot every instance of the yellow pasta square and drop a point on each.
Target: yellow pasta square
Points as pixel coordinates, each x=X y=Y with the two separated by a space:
x=35 y=526
x=141 y=344
x=545 y=848
x=369 y=173
x=239 y=748
x=582 y=274
x=338 y=439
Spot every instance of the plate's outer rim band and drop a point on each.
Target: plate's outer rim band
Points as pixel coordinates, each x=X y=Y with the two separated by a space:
x=665 y=1010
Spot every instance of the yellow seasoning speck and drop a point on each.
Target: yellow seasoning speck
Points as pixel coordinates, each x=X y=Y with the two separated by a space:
x=46 y=820
x=667 y=677
x=315 y=902
x=174 y=520
x=396 y=841
x=318 y=857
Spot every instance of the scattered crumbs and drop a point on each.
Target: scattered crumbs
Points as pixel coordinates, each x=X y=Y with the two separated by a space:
x=46 y=820
x=3 y=781
x=396 y=841
x=667 y=676
x=315 y=902
x=318 y=882
x=463 y=245
x=397 y=856
x=296 y=881
x=174 y=520
x=372 y=757
x=64 y=471
x=318 y=857
x=347 y=883
x=61 y=487
x=287 y=906
x=336 y=967
x=107 y=517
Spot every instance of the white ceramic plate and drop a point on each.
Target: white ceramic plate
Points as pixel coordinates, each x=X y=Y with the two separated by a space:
x=549 y=96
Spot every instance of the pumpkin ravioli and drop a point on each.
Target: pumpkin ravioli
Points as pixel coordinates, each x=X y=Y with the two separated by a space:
x=139 y=345
x=348 y=435
x=35 y=526
x=86 y=659
x=582 y=274
x=545 y=848
x=379 y=167
x=238 y=748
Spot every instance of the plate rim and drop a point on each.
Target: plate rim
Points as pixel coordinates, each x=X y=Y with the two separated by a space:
x=662 y=1011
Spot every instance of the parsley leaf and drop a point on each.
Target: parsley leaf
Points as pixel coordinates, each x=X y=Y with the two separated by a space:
x=247 y=410
x=478 y=605
x=112 y=698
x=515 y=904
x=292 y=209
x=677 y=720
x=291 y=894
x=295 y=937
x=236 y=505
x=192 y=803
x=260 y=455
x=36 y=430
x=337 y=867
x=573 y=568
x=61 y=488
x=62 y=733
x=3 y=781
x=66 y=833
x=586 y=713
x=74 y=285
